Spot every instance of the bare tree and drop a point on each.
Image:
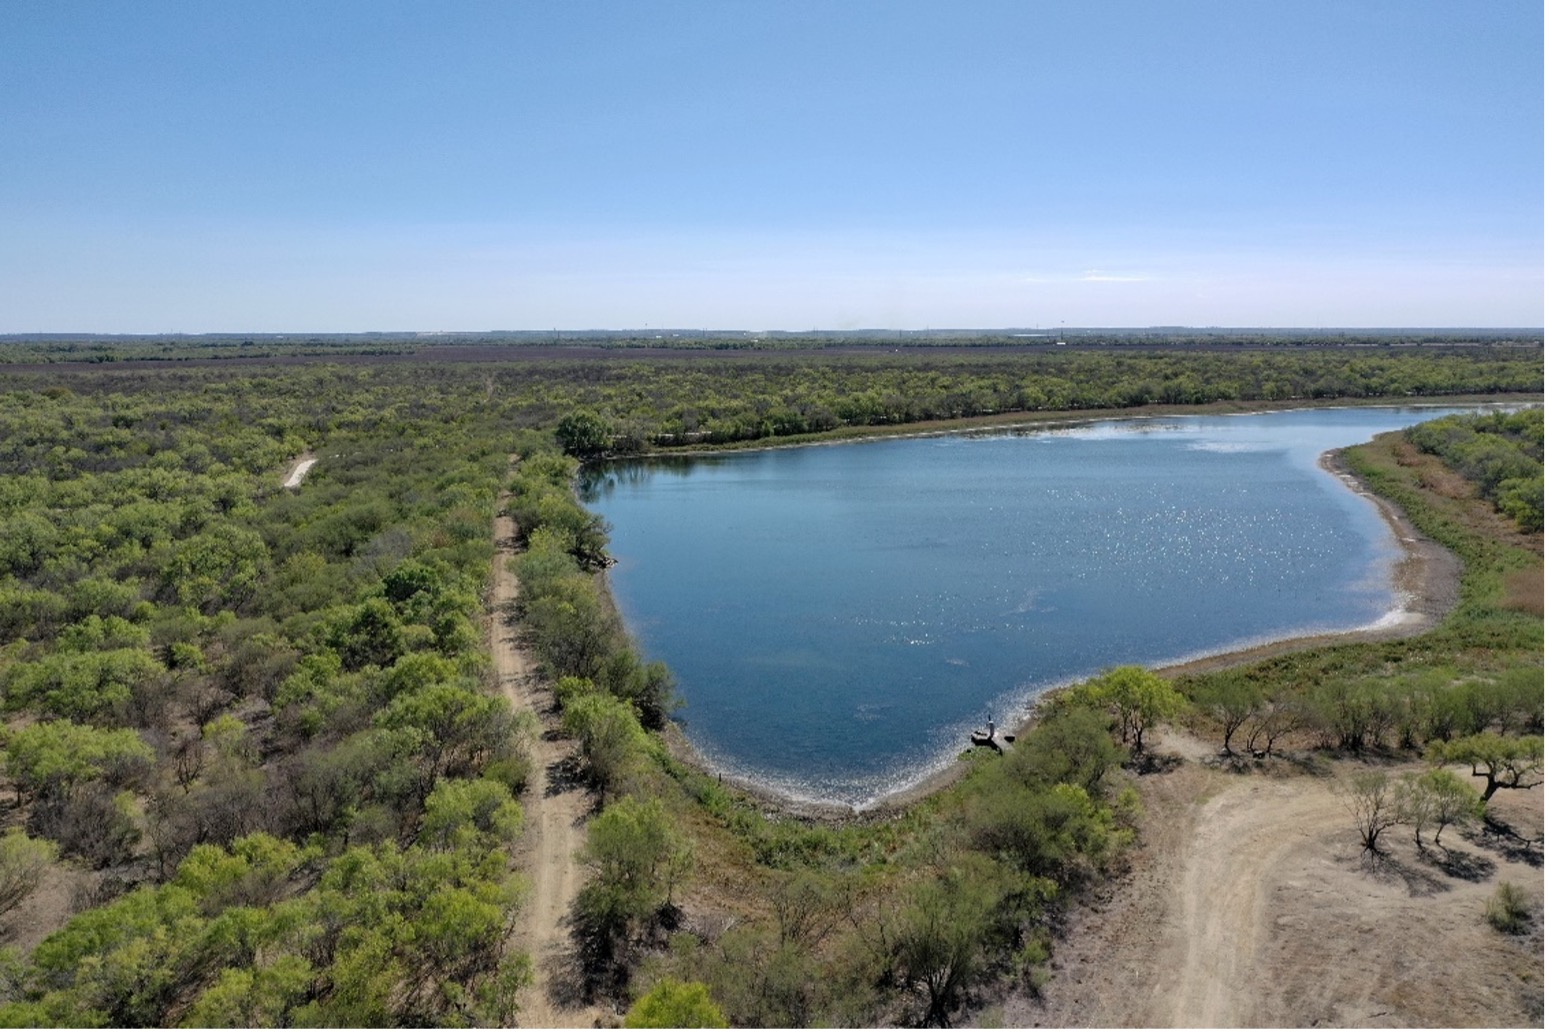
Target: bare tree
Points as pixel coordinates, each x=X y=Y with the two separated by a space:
x=1372 y=801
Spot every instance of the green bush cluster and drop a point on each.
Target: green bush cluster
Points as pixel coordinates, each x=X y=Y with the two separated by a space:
x=383 y=936
x=904 y=919
x=1503 y=453
x=569 y=620
x=204 y=669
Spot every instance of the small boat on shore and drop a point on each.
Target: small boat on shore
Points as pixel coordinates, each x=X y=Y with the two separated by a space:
x=989 y=740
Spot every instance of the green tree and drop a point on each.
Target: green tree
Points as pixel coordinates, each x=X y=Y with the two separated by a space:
x=369 y=635
x=939 y=944
x=1437 y=797
x=675 y=1004
x=219 y=567
x=1070 y=745
x=1138 y=699
x=1504 y=761
x=584 y=434
x=1232 y=700
x=611 y=738
x=262 y=997
x=468 y=813
x=58 y=755
x=1057 y=832
x=637 y=857
x=633 y=844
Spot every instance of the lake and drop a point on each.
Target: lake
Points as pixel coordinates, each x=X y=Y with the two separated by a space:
x=838 y=617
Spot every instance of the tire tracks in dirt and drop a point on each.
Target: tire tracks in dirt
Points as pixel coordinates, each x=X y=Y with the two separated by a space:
x=1240 y=836
x=556 y=809
x=1249 y=903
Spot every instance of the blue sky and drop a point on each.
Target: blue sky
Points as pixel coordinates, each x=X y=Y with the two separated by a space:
x=341 y=166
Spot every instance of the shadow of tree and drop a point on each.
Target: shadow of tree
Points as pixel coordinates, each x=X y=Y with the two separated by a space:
x=567 y=774
x=1504 y=840
x=1387 y=867
x=1455 y=863
x=569 y=983
x=1153 y=763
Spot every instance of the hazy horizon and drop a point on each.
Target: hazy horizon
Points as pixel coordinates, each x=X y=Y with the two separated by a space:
x=689 y=332
x=177 y=168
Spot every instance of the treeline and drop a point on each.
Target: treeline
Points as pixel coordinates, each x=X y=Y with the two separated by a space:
x=48 y=348
x=665 y=403
x=102 y=350
x=645 y=403
x=252 y=727
x=1329 y=705
x=1501 y=453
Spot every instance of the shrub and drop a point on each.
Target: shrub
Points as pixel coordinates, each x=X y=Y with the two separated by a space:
x=674 y=1004
x=1507 y=910
x=22 y=863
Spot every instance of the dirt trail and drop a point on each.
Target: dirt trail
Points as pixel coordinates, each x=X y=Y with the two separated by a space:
x=298 y=472
x=556 y=810
x=1249 y=904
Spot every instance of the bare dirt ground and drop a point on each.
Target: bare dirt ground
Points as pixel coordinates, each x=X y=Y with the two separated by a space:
x=1249 y=904
x=557 y=807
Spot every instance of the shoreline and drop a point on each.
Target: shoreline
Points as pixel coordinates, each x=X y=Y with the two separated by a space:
x=1012 y=421
x=1426 y=577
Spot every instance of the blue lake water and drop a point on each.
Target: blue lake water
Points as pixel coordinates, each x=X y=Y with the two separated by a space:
x=839 y=617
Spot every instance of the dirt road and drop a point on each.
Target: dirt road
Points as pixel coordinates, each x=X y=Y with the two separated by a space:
x=298 y=472
x=556 y=808
x=1249 y=904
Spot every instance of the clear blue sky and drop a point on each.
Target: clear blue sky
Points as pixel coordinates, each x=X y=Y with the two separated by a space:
x=338 y=166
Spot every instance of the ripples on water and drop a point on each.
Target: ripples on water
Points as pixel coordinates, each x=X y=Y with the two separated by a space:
x=839 y=617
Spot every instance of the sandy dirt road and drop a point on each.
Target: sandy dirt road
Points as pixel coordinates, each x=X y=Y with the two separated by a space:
x=298 y=471
x=556 y=808
x=1249 y=905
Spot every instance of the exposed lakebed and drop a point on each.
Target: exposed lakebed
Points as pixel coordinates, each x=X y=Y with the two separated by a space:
x=838 y=617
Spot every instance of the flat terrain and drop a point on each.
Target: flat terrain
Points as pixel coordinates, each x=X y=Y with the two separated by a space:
x=1248 y=903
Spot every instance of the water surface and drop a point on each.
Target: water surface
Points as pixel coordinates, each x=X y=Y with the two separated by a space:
x=838 y=617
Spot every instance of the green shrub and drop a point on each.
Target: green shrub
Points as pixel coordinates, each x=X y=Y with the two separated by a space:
x=674 y=1004
x=1507 y=910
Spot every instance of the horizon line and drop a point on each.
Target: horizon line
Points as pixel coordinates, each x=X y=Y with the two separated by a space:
x=663 y=332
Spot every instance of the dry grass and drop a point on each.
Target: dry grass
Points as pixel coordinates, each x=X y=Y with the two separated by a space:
x=1446 y=483
x=1525 y=591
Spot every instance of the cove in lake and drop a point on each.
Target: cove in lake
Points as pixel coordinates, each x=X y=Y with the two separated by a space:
x=839 y=617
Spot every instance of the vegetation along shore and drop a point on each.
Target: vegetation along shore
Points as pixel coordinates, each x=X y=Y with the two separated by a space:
x=374 y=748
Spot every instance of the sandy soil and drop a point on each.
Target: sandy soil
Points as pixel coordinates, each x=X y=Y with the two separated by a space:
x=1249 y=904
x=298 y=472
x=556 y=807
